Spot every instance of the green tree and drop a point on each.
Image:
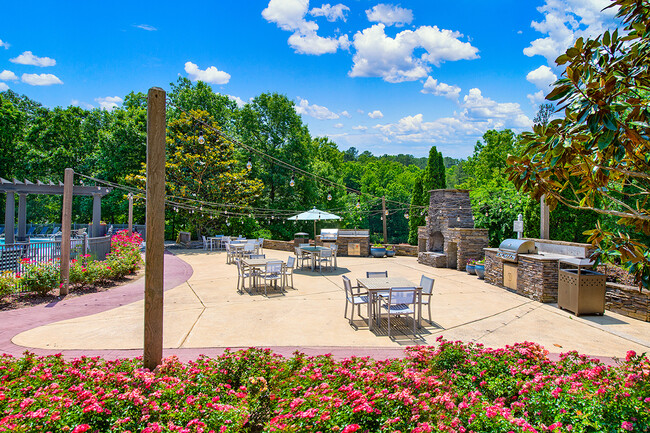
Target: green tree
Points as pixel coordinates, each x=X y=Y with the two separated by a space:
x=186 y=95
x=416 y=217
x=602 y=143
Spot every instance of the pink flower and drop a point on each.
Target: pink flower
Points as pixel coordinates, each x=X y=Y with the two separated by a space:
x=81 y=428
x=626 y=425
x=630 y=354
x=351 y=428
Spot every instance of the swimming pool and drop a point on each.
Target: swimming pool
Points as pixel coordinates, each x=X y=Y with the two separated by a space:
x=31 y=240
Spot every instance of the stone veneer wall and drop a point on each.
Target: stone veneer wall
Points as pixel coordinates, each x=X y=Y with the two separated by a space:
x=537 y=279
x=493 y=268
x=343 y=241
x=272 y=244
x=437 y=260
x=628 y=301
x=470 y=243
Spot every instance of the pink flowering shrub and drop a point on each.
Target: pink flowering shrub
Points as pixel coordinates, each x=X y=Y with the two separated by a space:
x=454 y=387
x=40 y=277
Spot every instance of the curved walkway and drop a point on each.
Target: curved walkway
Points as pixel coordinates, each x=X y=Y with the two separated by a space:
x=204 y=315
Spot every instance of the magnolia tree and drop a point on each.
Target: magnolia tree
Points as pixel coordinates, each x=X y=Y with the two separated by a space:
x=597 y=156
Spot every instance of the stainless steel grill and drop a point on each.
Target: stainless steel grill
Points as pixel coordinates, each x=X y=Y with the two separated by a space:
x=510 y=249
x=329 y=235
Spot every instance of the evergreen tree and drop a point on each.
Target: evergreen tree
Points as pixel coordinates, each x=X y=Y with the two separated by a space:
x=416 y=218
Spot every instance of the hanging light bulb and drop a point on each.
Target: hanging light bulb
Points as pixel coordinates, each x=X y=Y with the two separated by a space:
x=386 y=212
x=329 y=196
x=406 y=215
x=358 y=206
x=293 y=181
x=426 y=218
x=227 y=222
x=249 y=164
x=201 y=138
x=272 y=216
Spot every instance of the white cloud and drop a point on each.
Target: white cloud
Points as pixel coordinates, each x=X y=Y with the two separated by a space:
x=389 y=15
x=146 y=27
x=27 y=58
x=376 y=114
x=440 y=89
x=78 y=103
x=316 y=111
x=508 y=114
x=239 y=101
x=338 y=125
x=3 y=86
x=211 y=75
x=4 y=44
x=346 y=114
x=8 y=76
x=536 y=98
x=290 y=15
x=378 y=55
x=332 y=13
x=565 y=21
x=109 y=103
x=542 y=77
x=40 y=79
x=360 y=128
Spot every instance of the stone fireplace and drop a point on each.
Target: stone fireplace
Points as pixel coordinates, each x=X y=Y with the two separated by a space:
x=449 y=239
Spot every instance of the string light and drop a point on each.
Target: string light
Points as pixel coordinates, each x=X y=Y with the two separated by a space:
x=201 y=138
x=249 y=164
x=406 y=215
x=358 y=206
x=329 y=196
x=292 y=183
x=386 y=212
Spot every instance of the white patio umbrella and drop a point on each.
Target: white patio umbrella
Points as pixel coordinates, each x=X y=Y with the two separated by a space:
x=314 y=215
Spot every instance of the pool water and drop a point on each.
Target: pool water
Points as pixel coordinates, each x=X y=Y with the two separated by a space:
x=31 y=240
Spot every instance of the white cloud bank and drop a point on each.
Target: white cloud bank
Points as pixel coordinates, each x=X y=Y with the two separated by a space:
x=564 y=22
x=440 y=89
x=542 y=77
x=109 y=102
x=317 y=111
x=28 y=58
x=331 y=13
x=40 y=79
x=290 y=15
x=389 y=15
x=393 y=59
x=210 y=75
x=4 y=45
x=8 y=76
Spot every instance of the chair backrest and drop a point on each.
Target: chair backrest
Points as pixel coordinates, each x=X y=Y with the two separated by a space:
x=297 y=250
x=427 y=284
x=249 y=247
x=261 y=241
x=291 y=261
x=348 y=287
x=258 y=256
x=205 y=241
x=273 y=267
x=326 y=253
x=227 y=248
x=402 y=295
x=240 y=267
x=383 y=274
x=334 y=247
x=226 y=239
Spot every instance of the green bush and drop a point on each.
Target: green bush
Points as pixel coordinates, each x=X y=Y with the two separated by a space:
x=41 y=277
x=7 y=283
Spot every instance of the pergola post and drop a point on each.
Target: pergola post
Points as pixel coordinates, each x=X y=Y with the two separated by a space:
x=10 y=216
x=22 y=218
x=130 y=214
x=66 y=222
x=155 y=235
x=97 y=215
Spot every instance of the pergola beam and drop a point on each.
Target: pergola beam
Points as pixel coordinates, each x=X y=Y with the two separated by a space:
x=39 y=187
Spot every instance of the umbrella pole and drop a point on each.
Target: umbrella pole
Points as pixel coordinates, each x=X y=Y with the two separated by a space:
x=314 y=232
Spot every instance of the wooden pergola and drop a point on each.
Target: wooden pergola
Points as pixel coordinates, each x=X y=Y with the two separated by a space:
x=13 y=187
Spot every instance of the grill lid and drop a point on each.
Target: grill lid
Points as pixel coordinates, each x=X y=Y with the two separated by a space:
x=518 y=246
x=329 y=234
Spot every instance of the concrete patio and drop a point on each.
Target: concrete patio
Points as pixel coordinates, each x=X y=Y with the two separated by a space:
x=205 y=314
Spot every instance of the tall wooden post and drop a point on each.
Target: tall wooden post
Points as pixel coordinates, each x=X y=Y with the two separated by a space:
x=155 y=236
x=130 y=214
x=10 y=217
x=384 y=218
x=66 y=222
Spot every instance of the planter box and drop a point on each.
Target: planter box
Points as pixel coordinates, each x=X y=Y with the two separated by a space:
x=377 y=252
x=581 y=293
x=480 y=271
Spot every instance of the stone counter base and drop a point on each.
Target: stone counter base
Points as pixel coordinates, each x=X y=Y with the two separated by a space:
x=628 y=301
x=437 y=260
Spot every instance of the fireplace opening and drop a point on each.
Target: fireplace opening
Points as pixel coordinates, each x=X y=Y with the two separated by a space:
x=437 y=242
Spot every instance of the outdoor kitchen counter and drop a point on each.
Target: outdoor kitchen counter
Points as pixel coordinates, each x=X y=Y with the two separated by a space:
x=543 y=256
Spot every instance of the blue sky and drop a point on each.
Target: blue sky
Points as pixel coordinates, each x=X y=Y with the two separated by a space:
x=380 y=76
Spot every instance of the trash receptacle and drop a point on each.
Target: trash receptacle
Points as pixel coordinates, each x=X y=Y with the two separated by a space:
x=581 y=291
x=300 y=238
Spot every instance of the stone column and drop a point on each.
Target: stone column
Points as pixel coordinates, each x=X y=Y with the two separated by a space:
x=10 y=215
x=22 y=217
x=97 y=215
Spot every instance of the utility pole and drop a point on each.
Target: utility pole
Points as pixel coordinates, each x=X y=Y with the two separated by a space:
x=384 y=217
x=155 y=235
x=66 y=222
x=130 y=214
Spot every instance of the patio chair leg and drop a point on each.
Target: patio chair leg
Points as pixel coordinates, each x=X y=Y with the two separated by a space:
x=345 y=313
x=429 y=305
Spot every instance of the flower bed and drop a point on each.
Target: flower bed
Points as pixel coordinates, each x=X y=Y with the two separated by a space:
x=43 y=277
x=452 y=388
